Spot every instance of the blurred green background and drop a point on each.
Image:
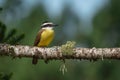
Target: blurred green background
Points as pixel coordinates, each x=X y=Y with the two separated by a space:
x=90 y=23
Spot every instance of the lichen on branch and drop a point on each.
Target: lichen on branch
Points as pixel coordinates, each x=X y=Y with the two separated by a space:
x=68 y=48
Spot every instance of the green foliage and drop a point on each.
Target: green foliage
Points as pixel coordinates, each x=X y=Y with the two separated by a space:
x=68 y=47
x=11 y=38
x=2 y=32
x=4 y=76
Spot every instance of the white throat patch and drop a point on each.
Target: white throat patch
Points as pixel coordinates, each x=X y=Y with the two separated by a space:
x=47 y=28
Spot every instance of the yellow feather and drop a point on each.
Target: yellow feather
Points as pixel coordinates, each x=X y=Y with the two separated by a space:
x=46 y=37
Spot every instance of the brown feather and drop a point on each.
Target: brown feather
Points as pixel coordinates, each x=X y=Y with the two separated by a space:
x=38 y=37
x=34 y=60
x=37 y=40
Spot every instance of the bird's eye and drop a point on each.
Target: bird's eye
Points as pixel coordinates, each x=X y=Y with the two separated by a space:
x=49 y=25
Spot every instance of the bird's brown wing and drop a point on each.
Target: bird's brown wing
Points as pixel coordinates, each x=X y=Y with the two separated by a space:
x=37 y=40
x=38 y=37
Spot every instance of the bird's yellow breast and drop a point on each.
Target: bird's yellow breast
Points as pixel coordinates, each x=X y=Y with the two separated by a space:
x=46 y=37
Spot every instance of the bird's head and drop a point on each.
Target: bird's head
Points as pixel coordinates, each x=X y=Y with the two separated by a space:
x=48 y=25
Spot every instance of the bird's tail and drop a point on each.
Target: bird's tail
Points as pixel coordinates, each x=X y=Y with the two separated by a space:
x=34 y=60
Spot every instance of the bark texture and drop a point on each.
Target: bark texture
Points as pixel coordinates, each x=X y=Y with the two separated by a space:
x=56 y=53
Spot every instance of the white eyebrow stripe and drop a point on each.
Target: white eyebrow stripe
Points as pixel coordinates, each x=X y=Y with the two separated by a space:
x=46 y=23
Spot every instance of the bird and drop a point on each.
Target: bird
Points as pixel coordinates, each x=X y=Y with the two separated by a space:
x=44 y=37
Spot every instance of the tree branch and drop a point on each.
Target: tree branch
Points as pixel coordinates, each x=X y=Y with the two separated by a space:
x=56 y=53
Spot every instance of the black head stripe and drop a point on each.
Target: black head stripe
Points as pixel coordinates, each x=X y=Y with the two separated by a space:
x=47 y=24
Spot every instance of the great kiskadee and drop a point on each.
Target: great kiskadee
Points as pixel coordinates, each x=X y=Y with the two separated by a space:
x=44 y=37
